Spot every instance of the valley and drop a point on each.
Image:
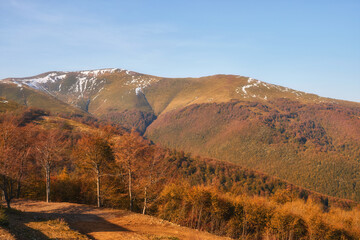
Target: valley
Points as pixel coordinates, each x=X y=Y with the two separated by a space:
x=303 y=138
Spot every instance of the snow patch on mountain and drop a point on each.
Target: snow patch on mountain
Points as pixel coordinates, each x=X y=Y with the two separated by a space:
x=243 y=90
x=81 y=83
x=255 y=83
x=140 y=82
x=38 y=81
x=138 y=90
x=100 y=71
x=83 y=79
x=18 y=84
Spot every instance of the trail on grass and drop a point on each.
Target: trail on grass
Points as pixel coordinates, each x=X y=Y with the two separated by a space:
x=104 y=224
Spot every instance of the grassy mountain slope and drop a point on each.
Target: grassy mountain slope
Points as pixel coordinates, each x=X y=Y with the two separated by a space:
x=169 y=94
x=26 y=96
x=113 y=94
x=114 y=90
x=8 y=105
x=312 y=145
x=135 y=99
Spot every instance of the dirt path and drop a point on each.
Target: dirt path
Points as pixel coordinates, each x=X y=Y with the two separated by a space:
x=109 y=223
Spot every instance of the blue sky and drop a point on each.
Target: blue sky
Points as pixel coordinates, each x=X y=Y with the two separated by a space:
x=313 y=46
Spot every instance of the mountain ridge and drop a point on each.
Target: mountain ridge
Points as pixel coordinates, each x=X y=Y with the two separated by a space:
x=96 y=72
x=303 y=138
x=245 y=89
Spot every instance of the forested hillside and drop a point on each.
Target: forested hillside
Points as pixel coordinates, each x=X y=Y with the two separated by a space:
x=315 y=146
x=86 y=161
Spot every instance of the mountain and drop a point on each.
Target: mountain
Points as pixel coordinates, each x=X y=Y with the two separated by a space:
x=105 y=93
x=306 y=139
x=23 y=95
x=136 y=99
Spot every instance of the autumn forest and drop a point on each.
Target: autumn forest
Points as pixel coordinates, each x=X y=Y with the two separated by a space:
x=64 y=158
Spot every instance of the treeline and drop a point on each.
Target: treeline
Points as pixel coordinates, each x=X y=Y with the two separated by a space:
x=229 y=177
x=85 y=161
x=281 y=216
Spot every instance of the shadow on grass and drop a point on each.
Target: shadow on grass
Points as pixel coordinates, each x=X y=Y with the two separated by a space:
x=81 y=222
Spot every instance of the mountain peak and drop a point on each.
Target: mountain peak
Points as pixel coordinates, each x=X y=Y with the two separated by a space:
x=106 y=90
x=96 y=72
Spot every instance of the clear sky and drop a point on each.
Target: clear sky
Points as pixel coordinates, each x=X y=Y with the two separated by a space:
x=308 y=45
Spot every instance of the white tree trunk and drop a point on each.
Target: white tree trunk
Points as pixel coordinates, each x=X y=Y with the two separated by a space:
x=130 y=191
x=98 y=185
x=47 y=183
x=145 y=200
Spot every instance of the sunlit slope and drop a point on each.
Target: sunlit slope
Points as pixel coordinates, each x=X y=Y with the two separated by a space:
x=168 y=94
x=26 y=96
x=313 y=145
x=114 y=93
x=96 y=90
x=8 y=105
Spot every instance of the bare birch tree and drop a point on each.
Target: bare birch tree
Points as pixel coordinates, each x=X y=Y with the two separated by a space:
x=128 y=149
x=50 y=145
x=94 y=153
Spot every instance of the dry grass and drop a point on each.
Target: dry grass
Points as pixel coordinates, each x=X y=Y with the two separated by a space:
x=5 y=235
x=41 y=220
x=35 y=98
x=30 y=225
x=56 y=229
x=54 y=122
